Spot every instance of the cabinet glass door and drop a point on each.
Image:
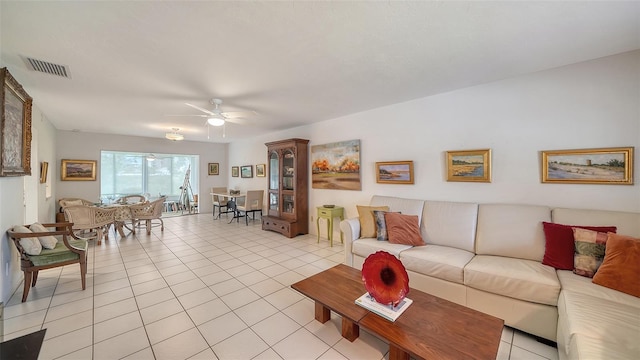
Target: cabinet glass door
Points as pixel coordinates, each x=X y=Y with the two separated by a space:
x=274 y=184
x=288 y=170
x=288 y=205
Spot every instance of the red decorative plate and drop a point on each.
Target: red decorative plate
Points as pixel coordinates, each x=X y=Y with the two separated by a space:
x=385 y=278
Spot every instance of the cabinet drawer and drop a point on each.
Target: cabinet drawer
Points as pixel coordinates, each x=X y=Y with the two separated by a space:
x=324 y=212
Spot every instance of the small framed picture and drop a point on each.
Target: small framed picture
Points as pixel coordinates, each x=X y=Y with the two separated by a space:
x=588 y=166
x=44 y=168
x=235 y=171
x=78 y=170
x=394 y=172
x=246 y=171
x=214 y=169
x=469 y=165
x=260 y=170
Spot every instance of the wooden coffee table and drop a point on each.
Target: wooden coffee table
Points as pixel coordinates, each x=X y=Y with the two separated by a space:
x=336 y=289
x=431 y=328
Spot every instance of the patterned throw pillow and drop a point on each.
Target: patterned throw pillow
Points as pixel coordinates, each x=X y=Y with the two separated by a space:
x=403 y=229
x=381 y=225
x=590 y=247
x=367 y=222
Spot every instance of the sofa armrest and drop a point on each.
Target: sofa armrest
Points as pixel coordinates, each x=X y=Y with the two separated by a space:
x=351 y=230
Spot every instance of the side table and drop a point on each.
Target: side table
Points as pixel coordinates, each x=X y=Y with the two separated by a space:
x=329 y=214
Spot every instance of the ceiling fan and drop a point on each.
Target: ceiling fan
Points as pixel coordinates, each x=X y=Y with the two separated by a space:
x=217 y=117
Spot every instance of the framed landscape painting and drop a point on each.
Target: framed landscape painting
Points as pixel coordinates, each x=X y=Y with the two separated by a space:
x=394 y=172
x=336 y=166
x=469 y=165
x=246 y=171
x=214 y=169
x=260 y=170
x=588 y=166
x=78 y=170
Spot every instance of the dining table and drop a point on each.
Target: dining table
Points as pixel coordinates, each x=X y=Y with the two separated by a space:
x=121 y=216
x=231 y=203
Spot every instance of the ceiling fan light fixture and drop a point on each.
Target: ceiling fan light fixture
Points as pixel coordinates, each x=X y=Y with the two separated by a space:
x=174 y=136
x=215 y=121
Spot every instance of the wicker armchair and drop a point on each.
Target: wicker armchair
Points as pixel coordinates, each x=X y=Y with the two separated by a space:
x=148 y=212
x=72 y=202
x=68 y=250
x=90 y=218
x=131 y=199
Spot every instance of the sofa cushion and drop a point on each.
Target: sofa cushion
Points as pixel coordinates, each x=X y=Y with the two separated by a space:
x=628 y=223
x=442 y=262
x=576 y=283
x=598 y=323
x=396 y=204
x=368 y=246
x=559 y=246
x=452 y=224
x=511 y=230
x=521 y=279
x=620 y=269
x=367 y=222
x=403 y=229
x=590 y=246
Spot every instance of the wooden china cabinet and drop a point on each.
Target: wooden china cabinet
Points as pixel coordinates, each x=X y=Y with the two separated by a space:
x=288 y=186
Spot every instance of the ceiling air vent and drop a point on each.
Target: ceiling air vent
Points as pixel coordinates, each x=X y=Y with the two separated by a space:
x=48 y=68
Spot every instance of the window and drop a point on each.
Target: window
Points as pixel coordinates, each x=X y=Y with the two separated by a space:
x=126 y=173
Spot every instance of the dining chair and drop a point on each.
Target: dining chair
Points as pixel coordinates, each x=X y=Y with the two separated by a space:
x=90 y=218
x=68 y=250
x=219 y=201
x=131 y=199
x=64 y=202
x=252 y=204
x=148 y=212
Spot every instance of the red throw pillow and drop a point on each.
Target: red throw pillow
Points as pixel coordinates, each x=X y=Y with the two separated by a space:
x=559 y=244
x=403 y=229
x=621 y=266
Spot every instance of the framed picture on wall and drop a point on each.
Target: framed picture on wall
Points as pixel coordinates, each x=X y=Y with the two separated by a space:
x=214 y=169
x=235 y=171
x=246 y=171
x=78 y=170
x=260 y=170
x=588 y=166
x=15 y=123
x=44 y=168
x=394 y=172
x=469 y=165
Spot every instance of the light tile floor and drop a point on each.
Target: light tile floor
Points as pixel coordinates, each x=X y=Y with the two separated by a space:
x=202 y=289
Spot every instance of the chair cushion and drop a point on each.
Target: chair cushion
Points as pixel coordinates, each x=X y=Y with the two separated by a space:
x=521 y=279
x=442 y=262
x=32 y=245
x=58 y=254
x=48 y=242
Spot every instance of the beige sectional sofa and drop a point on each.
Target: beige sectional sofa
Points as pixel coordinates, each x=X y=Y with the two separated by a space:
x=489 y=257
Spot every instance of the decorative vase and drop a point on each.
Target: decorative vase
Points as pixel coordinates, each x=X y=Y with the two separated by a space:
x=385 y=278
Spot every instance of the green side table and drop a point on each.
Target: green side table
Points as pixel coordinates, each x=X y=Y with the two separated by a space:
x=329 y=214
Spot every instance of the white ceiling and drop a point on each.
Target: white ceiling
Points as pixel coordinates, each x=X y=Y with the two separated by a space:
x=295 y=63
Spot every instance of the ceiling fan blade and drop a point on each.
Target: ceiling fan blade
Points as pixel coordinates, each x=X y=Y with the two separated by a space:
x=205 y=116
x=238 y=114
x=239 y=121
x=201 y=109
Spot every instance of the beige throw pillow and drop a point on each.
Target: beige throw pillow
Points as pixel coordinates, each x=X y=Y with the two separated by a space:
x=48 y=242
x=32 y=245
x=367 y=221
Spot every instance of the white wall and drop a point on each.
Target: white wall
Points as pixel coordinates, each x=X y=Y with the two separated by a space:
x=12 y=192
x=87 y=146
x=587 y=105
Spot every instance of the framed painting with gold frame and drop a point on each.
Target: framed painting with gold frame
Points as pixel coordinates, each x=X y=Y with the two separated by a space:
x=214 y=169
x=235 y=171
x=15 y=122
x=394 y=172
x=469 y=165
x=260 y=170
x=612 y=166
x=44 y=168
x=78 y=170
